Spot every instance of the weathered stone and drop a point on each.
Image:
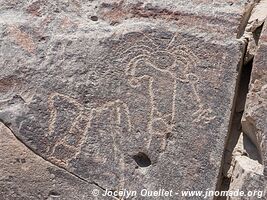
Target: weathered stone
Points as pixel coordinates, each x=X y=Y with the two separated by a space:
x=24 y=175
x=249 y=156
x=246 y=172
x=247 y=177
x=125 y=94
x=255 y=116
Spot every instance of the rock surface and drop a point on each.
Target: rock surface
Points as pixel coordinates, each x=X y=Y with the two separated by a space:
x=254 y=121
x=254 y=118
x=24 y=175
x=116 y=94
x=247 y=171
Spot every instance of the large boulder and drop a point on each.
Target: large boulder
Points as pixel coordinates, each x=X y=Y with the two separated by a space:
x=121 y=94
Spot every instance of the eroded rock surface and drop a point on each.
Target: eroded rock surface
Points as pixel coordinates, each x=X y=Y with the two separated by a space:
x=247 y=171
x=123 y=94
x=24 y=175
x=255 y=117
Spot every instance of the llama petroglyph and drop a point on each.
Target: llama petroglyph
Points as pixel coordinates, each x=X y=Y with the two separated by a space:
x=67 y=140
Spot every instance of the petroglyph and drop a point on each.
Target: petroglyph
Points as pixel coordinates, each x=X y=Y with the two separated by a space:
x=68 y=140
x=164 y=69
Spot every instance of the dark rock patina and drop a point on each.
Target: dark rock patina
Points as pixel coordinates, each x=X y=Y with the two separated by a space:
x=122 y=94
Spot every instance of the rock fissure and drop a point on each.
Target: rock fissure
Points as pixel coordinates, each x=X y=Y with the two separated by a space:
x=235 y=127
x=72 y=174
x=242 y=155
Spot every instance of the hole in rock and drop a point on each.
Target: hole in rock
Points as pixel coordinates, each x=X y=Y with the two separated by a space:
x=54 y=194
x=94 y=18
x=142 y=160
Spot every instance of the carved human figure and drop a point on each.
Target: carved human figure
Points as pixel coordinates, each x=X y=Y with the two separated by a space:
x=165 y=69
